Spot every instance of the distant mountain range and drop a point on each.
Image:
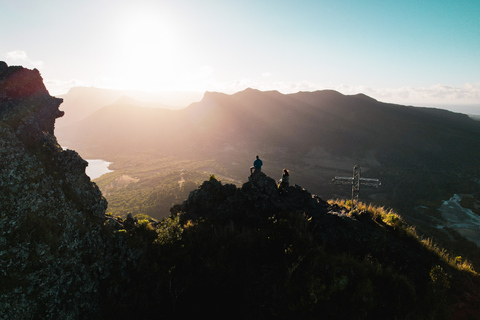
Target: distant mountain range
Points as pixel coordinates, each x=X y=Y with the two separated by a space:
x=417 y=152
x=347 y=126
x=422 y=156
x=81 y=102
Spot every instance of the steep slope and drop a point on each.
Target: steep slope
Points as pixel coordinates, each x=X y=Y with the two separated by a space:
x=50 y=211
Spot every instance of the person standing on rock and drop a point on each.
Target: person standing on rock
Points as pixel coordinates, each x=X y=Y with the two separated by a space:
x=284 y=182
x=257 y=165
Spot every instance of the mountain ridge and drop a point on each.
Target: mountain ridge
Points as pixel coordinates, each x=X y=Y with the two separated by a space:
x=422 y=156
x=345 y=126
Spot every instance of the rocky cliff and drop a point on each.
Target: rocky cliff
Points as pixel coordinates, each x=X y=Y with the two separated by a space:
x=50 y=211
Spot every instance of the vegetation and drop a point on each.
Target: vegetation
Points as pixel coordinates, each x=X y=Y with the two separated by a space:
x=151 y=185
x=392 y=219
x=278 y=265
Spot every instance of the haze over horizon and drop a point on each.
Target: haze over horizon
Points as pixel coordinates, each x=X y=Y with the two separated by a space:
x=424 y=54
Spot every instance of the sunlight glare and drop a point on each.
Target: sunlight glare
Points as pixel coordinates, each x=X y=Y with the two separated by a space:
x=149 y=55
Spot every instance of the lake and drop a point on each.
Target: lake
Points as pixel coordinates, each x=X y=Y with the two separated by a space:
x=97 y=168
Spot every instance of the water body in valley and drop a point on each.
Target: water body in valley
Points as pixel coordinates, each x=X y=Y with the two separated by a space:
x=97 y=168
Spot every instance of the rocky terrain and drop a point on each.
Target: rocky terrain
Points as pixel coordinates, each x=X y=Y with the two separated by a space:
x=251 y=252
x=50 y=211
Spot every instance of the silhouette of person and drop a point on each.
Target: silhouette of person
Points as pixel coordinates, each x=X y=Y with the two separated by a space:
x=284 y=182
x=257 y=165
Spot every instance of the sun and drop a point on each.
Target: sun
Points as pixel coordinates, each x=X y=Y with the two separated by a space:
x=148 y=54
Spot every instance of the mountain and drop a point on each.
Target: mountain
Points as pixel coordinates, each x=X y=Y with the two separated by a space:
x=354 y=127
x=250 y=252
x=417 y=153
x=80 y=102
x=422 y=156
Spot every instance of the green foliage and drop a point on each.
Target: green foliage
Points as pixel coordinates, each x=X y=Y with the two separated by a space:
x=392 y=219
x=440 y=282
x=439 y=277
x=148 y=185
x=281 y=264
x=212 y=178
x=169 y=230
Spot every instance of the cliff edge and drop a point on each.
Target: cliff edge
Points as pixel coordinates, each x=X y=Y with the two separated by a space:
x=50 y=211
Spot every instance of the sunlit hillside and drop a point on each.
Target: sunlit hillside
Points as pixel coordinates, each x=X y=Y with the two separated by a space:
x=418 y=153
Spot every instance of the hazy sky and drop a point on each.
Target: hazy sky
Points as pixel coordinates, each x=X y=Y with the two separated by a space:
x=411 y=52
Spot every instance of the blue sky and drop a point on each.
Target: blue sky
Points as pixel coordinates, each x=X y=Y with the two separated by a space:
x=409 y=52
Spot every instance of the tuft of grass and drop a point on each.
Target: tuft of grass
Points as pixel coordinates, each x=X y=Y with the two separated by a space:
x=456 y=262
x=389 y=217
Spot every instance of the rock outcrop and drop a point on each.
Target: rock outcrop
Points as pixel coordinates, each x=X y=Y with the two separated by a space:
x=50 y=212
x=340 y=231
x=256 y=199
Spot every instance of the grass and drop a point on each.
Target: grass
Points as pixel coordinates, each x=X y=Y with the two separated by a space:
x=392 y=219
x=150 y=186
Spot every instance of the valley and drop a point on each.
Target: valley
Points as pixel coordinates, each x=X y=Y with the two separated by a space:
x=147 y=184
x=422 y=156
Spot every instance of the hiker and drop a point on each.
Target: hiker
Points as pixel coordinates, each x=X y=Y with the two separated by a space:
x=257 y=165
x=284 y=182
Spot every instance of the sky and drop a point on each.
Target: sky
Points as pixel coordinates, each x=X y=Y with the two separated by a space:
x=422 y=52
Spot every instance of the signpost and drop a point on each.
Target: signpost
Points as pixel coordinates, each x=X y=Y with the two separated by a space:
x=356 y=182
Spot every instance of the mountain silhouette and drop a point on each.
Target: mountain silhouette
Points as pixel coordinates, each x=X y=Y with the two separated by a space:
x=318 y=135
x=341 y=125
x=80 y=102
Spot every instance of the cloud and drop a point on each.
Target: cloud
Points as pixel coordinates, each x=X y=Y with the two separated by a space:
x=468 y=93
x=20 y=57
